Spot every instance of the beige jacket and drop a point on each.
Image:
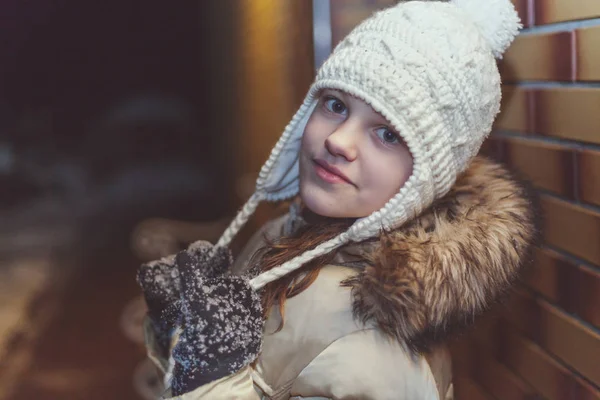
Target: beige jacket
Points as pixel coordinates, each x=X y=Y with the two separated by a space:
x=422 y=282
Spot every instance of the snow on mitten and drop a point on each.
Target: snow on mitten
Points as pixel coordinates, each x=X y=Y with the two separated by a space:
x=160 y=284
x=221 y=320
x=161 y=287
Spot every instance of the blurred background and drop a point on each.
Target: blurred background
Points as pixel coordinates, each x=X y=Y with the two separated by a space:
x=131 y=128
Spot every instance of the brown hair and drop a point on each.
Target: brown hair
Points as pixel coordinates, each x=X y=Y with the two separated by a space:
x=279 y=250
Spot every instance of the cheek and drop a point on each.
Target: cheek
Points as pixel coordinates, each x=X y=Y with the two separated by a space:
x=316 y=131
x=405 y=167
x=305 y=142
x=308 y=147
x=389 y=174
x=311 y=133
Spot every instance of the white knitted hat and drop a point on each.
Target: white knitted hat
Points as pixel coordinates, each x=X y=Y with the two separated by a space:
x=429 y=68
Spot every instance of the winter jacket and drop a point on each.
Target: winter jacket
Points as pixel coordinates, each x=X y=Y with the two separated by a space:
x=374 y=323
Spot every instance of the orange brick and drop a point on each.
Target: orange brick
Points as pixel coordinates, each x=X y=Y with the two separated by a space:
x=497 y=379
x=588 y=57
x=539 y=57
x=574 y=288
x=346 y=14
x=462 y=357
x=522 y=10
x=514 y=109
x=547 y=166
x=588 y=301
x=569 y=113
x=550 y=11
x=466 y=389
x=586 y=391
x=488 y=147
x=557 y=332
x=572 y=228
x=589 y=175
x=536 y=367
x=551 y=275
x=493 y=147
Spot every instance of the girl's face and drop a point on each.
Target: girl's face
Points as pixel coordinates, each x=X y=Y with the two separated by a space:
x=351 y=161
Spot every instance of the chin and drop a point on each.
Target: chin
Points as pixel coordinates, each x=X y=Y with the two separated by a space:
x=322 y=204
x=323 y=210
x=315 y=202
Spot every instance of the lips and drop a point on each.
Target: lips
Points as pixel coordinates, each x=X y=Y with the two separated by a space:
x=329 y=173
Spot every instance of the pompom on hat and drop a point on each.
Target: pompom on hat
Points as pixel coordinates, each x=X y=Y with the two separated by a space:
x=429 y=68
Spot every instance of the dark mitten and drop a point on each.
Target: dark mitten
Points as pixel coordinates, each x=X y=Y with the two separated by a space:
x=221 y=320
x=161 y=287
x=160 y=284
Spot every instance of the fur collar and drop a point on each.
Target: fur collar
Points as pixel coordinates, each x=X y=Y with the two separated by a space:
x=434 y=275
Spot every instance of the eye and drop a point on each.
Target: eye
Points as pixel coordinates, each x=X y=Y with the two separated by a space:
x=387 y=135
x=335 y=105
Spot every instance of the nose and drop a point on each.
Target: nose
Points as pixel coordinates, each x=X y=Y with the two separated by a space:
x=343 y=142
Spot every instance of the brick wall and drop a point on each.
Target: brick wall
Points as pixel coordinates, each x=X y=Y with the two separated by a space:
x=346 y=14
x=546 y=342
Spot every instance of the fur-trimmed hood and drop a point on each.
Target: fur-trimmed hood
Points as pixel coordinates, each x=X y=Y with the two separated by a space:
x=434 y=275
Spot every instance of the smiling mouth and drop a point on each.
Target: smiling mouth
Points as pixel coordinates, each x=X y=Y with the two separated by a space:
x=329 y=173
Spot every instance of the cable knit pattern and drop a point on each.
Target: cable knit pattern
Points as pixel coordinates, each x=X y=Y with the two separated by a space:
x=429 y=68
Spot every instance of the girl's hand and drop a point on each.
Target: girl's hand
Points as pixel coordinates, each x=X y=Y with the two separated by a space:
x=218 y=317
x=161 y=285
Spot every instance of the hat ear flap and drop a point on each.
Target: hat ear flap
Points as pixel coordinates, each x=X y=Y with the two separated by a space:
x=278 y=179
x=279 y=176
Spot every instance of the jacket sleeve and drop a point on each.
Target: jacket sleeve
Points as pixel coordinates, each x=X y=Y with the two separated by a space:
x=238 y=386
x=366 y=365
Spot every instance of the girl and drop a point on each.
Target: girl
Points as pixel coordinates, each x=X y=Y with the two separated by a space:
x=400 y=235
